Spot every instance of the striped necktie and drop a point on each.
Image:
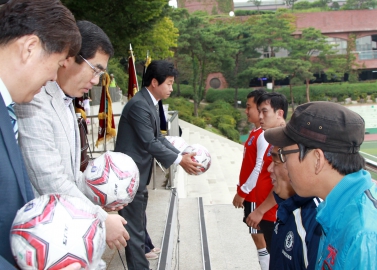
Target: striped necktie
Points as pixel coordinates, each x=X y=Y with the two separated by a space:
x=13 y=120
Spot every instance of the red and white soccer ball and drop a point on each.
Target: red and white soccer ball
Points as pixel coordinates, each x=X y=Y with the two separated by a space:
x=177 y=142
x=54 y=231
x=112 y=179
x=202 y=156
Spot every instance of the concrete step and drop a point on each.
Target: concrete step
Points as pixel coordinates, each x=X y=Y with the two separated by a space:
x=189 y=248
x=230 y=244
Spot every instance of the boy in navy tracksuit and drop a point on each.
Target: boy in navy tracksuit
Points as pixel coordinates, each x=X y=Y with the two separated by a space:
x=296 y=234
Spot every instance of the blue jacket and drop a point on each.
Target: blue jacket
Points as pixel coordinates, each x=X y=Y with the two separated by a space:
x=349 y=220
x=296 y=235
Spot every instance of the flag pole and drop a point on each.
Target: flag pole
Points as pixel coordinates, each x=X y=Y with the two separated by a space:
x=147 y=61
x=104 y=92
x=133 y=85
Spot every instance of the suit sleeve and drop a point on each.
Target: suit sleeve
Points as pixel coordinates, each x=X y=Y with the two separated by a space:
x=39 y=143
x=165 y=142
x=141 y=119
x=4 y=264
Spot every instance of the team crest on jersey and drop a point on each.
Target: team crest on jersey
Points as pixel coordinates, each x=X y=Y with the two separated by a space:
x=251 y=140
x=289 y=241
x=270 y=150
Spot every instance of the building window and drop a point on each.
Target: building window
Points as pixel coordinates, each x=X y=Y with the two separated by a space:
x=340 y=45
x=215 y=83
x=367 y=47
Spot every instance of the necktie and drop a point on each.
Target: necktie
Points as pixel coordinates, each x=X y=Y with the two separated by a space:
x=13 y=120
x=157 y=110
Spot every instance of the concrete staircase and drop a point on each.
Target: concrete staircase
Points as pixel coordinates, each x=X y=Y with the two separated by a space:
x=226 y=239
x=229 y=244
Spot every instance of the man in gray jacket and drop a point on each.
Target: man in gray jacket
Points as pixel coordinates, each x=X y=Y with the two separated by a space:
x=49 y=136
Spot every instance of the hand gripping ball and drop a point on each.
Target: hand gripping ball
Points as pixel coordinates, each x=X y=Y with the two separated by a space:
x=202 y=156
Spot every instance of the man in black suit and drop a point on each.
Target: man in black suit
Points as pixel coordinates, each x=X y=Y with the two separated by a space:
x=139 y=137
x=36 y=36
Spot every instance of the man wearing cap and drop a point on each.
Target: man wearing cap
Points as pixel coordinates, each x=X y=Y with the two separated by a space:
x=321 y=146
x=297 y=233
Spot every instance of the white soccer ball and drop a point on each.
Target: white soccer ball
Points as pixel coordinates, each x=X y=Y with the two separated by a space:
x=202 y=156
x=54 y=231
x=177 y=142
x=112 y=179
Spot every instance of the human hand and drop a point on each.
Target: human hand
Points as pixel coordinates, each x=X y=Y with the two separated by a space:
x=254 y=218
x=116 y=234
x=73 y=266
x=112 y=209
x=238 y=201
x=189 y=165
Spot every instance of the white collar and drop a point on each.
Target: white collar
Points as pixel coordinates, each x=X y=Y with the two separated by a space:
x=67 y=100
x=5 y=94
x=155 y=101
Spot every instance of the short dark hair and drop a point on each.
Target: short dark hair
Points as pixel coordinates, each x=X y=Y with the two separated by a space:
x=343 y=163
x=94 y=39
x=277 y=101
x=52 y=22
x=159 y=70
x=256 y=94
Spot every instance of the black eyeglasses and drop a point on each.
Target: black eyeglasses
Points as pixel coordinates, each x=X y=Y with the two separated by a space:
x=96 y=71
x=282 y=153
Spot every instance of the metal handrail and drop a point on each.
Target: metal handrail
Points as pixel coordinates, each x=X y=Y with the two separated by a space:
x=371 y=165
x=104 y=145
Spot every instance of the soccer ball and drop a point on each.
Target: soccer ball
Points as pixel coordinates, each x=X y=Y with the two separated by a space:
x=112 y=179
x=54 y=231
x=202 y=156
x=177 y=142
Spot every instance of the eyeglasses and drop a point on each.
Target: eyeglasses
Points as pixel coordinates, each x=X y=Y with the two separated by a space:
x=96 y=71
x=282 y=153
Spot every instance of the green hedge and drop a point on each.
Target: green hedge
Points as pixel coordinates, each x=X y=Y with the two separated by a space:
x=252 y=12
x=318 y=92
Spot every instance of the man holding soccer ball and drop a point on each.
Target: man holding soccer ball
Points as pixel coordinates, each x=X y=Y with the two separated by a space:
x=33 y=43
x=49 y=136
x=139 y=137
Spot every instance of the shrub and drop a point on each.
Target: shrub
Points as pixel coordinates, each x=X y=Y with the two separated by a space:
x=229 y=132
x=302 y=5
x=199 y=122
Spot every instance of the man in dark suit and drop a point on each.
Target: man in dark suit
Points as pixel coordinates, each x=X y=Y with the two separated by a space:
x=36 y=36
x=139 y=137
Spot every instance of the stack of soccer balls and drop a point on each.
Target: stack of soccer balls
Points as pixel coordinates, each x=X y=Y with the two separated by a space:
x=202 y=156
x=54 y=231
x=112 y=179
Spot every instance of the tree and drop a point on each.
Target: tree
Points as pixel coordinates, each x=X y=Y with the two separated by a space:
x=271 y=32
x=298 y=71
x=256 y=3
x=160 y=40
x=198 y=40
x=122 y=22
x=290 y=3
x=240 y=47
x=268 y=68
x=312 y=47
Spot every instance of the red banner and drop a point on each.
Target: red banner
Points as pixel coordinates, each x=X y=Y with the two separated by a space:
x=106 y=124
x=132 y=78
